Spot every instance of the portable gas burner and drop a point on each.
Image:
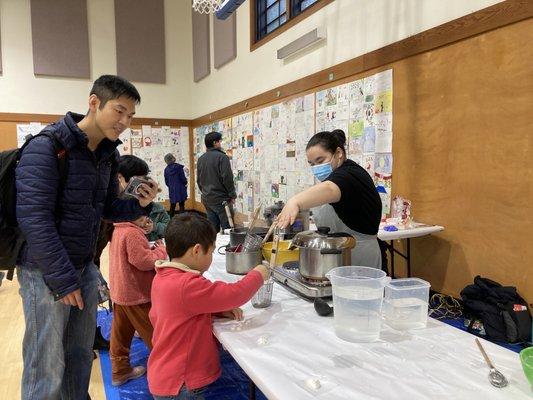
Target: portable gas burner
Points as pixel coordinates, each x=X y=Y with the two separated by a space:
x=289 y=276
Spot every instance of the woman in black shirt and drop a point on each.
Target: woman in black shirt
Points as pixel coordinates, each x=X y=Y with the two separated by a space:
x=348 y=188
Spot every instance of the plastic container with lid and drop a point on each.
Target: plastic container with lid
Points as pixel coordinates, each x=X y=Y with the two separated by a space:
x=406 y=303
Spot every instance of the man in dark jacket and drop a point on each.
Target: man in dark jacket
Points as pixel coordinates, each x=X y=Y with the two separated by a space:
x=215 y=180
x=55 y=270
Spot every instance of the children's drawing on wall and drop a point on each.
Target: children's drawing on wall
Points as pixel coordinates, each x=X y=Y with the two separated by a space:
x=275 y=190
x=369 y=139
x=383 y=164
x=136 y=139
x=331 y=97
x=368 y=164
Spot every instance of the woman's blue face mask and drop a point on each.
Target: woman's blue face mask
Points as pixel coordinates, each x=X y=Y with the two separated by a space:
x=322 y=171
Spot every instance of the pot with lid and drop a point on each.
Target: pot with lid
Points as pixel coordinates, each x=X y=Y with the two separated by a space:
x=321 y=251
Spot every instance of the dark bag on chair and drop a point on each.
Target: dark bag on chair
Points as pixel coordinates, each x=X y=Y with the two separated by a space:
x=505 y=315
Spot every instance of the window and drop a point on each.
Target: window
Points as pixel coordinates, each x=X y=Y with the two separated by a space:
x=268 y=16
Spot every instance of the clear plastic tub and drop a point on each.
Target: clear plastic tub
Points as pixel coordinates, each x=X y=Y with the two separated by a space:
x=357 y=301
x=406 y=303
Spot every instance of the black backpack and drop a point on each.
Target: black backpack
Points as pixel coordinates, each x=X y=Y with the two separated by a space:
x=504 y=314
x=11 y=238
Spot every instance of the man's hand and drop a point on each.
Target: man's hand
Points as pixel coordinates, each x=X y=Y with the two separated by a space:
x=147 y=192
x=73 y=299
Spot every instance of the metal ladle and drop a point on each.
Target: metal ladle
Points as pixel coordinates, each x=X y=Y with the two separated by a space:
x=496 y=378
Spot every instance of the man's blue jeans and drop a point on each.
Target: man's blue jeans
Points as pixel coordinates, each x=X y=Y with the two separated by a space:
x=57 y=346
x=217 y=216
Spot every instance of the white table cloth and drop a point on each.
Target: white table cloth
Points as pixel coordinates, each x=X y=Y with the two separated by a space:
x=287 y=347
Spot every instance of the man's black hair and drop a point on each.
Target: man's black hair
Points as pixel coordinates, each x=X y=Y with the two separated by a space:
x=129 y=166
x=186 y=230
x=211 y=138
x=110 y=87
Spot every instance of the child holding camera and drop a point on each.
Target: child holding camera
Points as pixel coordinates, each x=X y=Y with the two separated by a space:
x=184 y=358
x=131 y=271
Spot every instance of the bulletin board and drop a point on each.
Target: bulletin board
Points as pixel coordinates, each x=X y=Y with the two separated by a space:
x=152 y=143
x=267 y=146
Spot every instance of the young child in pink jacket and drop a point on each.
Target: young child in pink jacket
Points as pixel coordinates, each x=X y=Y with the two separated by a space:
x=184 y=358
x=131 y=271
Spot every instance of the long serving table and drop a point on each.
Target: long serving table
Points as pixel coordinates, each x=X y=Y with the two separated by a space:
x=288 y=350
x=417 y=230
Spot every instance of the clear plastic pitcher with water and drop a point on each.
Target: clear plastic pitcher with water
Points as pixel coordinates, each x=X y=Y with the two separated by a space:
x=406 y=303
x=357 y=301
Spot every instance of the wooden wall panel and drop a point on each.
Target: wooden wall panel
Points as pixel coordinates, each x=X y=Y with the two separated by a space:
x=201 y=52
x=224 y=40
x=60 y=38
x=140 y=32
x=463 y=141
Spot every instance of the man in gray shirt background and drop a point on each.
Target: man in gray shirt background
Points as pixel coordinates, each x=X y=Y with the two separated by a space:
x=215 y=180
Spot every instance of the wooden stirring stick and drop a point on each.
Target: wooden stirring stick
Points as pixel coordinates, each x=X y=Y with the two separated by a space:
x=270 y=230
x=254 y=219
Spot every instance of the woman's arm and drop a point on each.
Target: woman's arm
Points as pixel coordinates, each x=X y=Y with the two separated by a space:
x=322 y=193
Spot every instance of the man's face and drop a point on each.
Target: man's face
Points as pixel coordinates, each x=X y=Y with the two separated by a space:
x=114 y=117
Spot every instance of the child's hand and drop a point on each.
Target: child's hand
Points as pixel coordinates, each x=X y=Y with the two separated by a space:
x=159 y=243
x=235 y=314
x=263 y=270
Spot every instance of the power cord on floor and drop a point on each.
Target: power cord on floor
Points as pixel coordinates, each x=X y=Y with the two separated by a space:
x=443 y=306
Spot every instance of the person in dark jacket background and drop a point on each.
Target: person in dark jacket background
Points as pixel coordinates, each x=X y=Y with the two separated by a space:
x=176 y=181
x=56 y=273
x=215 y=180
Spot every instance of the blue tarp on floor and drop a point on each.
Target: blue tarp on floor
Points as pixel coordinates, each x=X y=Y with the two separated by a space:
x=232 y=385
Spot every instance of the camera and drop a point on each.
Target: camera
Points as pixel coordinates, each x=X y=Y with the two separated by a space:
x=134 y=185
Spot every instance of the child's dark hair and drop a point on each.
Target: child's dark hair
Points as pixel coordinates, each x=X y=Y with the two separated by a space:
x=211 y=138
x=329 y=141
x=187 y=229
x=109 y=87
x=129 y=166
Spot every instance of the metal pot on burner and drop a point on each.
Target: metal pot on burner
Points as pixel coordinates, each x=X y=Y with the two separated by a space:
x=321 y=251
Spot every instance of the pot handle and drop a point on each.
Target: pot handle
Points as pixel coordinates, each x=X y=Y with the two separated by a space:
x=222 y=247
x=340 y=234
x=330 y=251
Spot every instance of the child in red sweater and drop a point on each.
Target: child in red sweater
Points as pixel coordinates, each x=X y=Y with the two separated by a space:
x=184 y=358
x=131 y=271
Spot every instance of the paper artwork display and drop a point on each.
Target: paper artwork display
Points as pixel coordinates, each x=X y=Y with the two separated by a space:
x=267 y=146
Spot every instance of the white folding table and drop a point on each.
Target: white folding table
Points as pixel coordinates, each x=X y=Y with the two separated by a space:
x=286 y=348
x=417 y=230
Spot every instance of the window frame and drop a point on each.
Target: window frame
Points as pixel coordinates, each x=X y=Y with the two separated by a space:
x=291 y=21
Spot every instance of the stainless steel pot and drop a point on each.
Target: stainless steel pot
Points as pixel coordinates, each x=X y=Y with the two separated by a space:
x=322 y=251
x=236 y=235
x=243 y=262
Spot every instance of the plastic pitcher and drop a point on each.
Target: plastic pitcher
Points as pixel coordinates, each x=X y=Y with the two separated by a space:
x=357 y=301
x=406 y=303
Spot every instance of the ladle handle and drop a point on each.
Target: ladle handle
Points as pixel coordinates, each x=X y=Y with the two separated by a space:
x=485 y=356
x=275 y=248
